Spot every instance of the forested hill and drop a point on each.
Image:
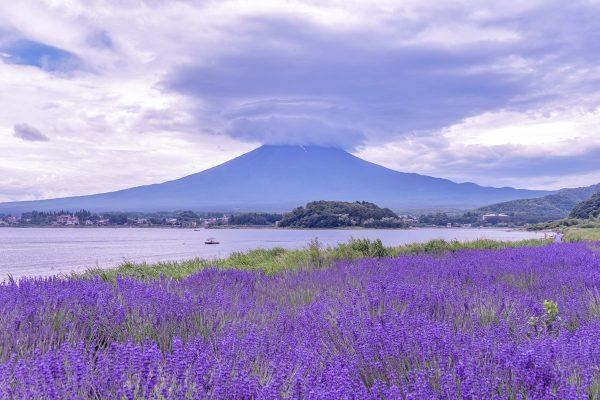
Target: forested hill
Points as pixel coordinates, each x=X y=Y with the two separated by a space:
x=587 y=209
x=547 y=208
x=335 y=214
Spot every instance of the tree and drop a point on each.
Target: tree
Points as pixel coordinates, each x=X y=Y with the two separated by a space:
x=333 y=214
x=83 y=215
x=117 y=219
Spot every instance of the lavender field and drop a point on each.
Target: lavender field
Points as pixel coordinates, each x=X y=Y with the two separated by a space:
x=516 y=323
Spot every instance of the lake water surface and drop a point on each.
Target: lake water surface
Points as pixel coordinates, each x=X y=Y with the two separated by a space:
x=50 y=251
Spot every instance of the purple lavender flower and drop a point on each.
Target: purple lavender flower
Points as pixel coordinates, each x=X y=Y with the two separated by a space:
x=467 y=325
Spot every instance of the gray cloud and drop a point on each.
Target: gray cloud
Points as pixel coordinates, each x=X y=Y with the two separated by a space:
x=286 y=71
x=294 y=130
x=330 y=81
x=29 y=133
x=100 y=39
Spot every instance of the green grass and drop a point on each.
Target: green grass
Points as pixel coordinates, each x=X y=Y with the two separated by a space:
x=582 y=234
x=278 y=259
x=566 y=223
x=575 y=230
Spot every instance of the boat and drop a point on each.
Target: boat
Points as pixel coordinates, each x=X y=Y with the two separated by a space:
x=211 y=241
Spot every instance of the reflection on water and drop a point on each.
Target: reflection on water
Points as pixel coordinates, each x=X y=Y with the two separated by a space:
x=49 y=251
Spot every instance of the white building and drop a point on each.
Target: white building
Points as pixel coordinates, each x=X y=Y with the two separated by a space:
x=13 y=220
x=495 y=217
x=67 y=219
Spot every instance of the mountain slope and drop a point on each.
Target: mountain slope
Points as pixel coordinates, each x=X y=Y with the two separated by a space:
x=281 y=177
x=587 y=209
x=547 y=208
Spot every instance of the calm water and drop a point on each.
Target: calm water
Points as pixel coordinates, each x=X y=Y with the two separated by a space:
x=50 y=251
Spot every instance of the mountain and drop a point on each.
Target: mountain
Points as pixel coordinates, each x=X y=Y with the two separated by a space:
x=546 y=208
x=587 y=209
x=278 y=178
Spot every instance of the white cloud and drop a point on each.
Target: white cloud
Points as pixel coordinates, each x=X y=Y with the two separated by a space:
x=506 y=148
x=562 y=132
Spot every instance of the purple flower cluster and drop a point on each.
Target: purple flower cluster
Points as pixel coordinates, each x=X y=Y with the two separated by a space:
x=466 y=325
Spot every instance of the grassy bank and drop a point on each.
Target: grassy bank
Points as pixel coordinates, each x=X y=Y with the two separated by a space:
x=575 y=230
x=566 y=223
x=582 y=234
x=278 y=259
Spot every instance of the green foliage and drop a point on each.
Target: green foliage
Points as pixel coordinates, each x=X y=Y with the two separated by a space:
x=187 y=216
x=118 y=218
x=83 y=215
x=254 y=219
x=441 y=246
x=556 y=225
x=455 y=218
x=335 y=214
x=362 y=248
x=316 y=254
x=48 y=217
x=542 y=209
x=582 y=234
x=588 y=209
x=184 y=218
x=575 y=230
x=438 y=219
x=551 y=309
x=549 y=322
x=275 y=260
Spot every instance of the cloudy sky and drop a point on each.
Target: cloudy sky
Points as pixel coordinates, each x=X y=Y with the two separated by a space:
x=103 y=95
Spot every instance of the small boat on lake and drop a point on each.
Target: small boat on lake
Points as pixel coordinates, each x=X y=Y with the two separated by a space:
x=211 y=241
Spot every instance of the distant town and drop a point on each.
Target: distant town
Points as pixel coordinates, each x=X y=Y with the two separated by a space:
x=191 y=219
x=184 y=219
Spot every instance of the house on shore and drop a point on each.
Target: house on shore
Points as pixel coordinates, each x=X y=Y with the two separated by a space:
x=66 y=219
x=12 y=220
x=495 y=218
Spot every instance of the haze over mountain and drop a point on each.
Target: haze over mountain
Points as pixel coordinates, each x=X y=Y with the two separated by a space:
x=278 y=178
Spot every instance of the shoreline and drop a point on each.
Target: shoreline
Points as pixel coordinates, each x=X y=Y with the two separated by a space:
x=272 y=227
x=279 y=259
x=46 y=251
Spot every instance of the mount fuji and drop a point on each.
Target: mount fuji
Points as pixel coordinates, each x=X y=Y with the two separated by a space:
x=278 y=178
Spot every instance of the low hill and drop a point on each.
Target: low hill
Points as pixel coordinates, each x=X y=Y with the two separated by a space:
x=279 y=178
x=335 y=214
x=587 y=209
x=546 y=208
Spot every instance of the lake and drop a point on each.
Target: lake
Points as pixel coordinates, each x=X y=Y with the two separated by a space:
x=51 y=251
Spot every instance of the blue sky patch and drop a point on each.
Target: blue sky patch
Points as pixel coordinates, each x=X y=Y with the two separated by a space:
x=46 y=57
